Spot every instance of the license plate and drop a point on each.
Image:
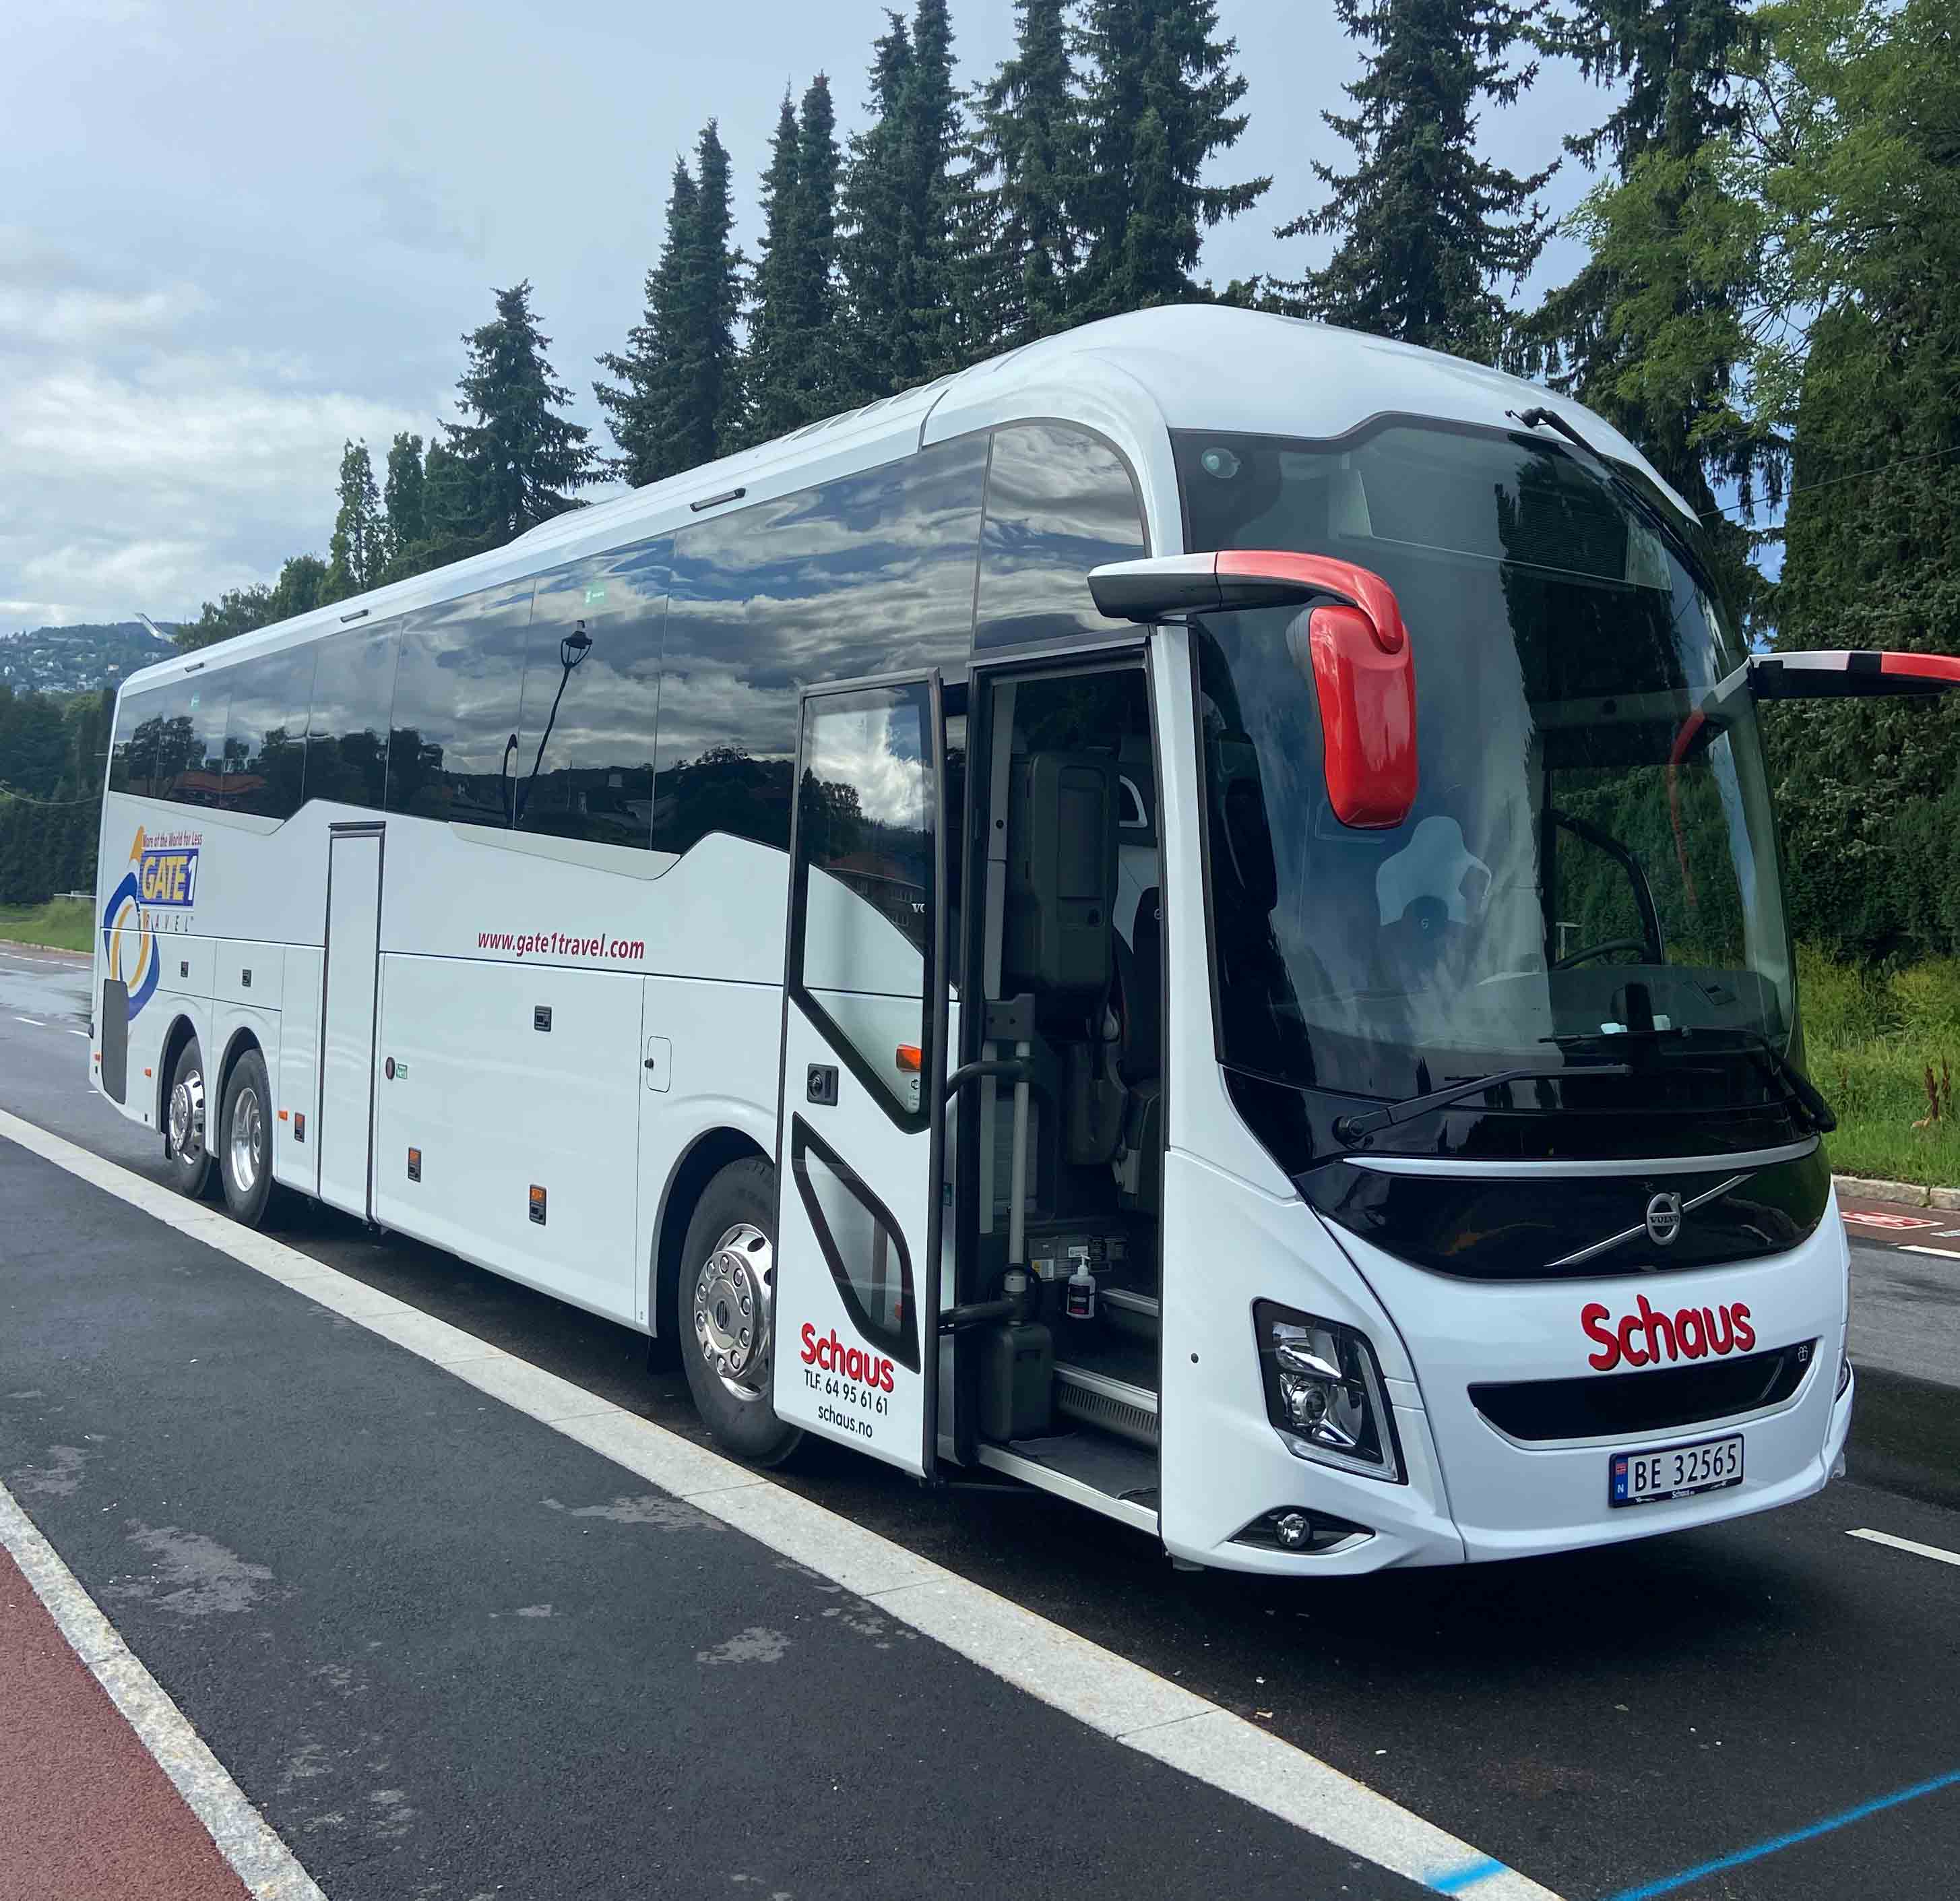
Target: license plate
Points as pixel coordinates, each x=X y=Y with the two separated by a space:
x=1675 y=1471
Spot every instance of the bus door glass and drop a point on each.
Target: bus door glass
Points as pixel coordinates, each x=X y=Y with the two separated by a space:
x=860 y=1134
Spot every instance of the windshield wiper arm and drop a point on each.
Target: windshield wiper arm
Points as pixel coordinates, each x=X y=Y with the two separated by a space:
x=1778 y=1067
x=1350 y=1128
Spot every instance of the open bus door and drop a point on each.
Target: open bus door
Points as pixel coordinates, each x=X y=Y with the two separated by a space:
x=860 y=1134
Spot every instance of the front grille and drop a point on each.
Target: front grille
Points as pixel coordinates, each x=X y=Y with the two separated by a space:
x=1618 y=1404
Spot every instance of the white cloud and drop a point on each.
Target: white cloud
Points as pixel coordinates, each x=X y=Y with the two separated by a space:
x=156 y=489
x=87 y=319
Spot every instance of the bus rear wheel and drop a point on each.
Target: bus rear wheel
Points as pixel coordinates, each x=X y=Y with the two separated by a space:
x=186 y=1120
x=727 y=1308
x=245 y=1147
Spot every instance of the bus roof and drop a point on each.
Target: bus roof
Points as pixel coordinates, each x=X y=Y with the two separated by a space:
x=1177 y=367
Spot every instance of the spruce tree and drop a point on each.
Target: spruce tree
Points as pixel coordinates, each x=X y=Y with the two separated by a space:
x=812 y=284
x=401 y=494
x=648 y=369
x=771 y=360
x=678 y=402
x=707 y=421
x=1596 y=336
x=523 y=454
x=1158 y=104
x=1027 y=156
x=358 y=550
x=1428 y=229
x=901 y=215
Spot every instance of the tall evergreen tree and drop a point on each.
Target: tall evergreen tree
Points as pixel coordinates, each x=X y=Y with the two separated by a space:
x=1598 y=337
x=678 y=402
x=901 y=215
x=402 y=494
x=1159 y=95
x=637 y=406
x=524 y=455
x=1027 y=149
x=812 y=289
x=710 y=419
x=770 y=364
x=1427 y=228
x=787 y=374
x=358 y=548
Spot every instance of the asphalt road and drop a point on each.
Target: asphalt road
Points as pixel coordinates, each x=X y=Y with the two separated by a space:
x=1602 y=1722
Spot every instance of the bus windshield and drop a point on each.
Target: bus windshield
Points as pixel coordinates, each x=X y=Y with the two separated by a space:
x=1588 y=862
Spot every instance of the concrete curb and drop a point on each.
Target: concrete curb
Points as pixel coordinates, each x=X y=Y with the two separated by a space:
x=47 y=949
x=1910 y=1192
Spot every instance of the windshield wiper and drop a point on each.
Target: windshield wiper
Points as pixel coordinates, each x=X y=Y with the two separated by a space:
x=1754 y=1044
x=1350 y=1128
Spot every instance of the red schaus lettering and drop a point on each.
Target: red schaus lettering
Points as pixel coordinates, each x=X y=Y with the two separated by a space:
x=1648 y=1337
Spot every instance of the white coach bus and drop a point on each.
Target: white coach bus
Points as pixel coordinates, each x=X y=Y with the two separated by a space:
x=1190 y=915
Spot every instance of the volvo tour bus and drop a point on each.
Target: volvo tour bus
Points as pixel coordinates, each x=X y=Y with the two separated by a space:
x=1190 y=915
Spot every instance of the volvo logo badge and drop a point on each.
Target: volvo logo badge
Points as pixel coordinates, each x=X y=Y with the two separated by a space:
x=1664 y=1220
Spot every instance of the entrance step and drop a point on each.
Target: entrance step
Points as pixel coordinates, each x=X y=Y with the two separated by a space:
x=1116 y=1406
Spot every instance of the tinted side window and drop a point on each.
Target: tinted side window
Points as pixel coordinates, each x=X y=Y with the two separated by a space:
x=871 y=574
x=264 y=733
x=347 y=728
x=592 y=697
x=1059 y=502
x=453 y=740
x=132 y=752
x=191 y=754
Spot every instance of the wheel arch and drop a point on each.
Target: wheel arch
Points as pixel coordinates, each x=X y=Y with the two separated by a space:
x=704 y=1158
x=243 y=1038
x=183 y=1029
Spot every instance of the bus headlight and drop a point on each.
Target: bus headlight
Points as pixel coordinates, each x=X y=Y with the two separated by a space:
x=1324 y=1391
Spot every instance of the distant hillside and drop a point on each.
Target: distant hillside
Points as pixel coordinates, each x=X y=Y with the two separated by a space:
x=68 y=660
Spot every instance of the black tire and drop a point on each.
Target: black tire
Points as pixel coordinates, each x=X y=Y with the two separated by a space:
x=188 y=1160
x=742 y=1195
x=245 y=1141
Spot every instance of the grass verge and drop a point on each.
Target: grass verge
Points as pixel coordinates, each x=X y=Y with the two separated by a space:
x=61 y=924
x=1871 y=1039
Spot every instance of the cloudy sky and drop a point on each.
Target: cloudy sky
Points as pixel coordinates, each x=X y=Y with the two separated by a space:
x=234 y=232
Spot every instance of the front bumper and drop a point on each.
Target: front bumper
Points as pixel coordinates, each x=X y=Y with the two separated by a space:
x=1471 y=1493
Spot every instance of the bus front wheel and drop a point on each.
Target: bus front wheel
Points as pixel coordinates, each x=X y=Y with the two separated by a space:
x=187 y=1125
x=727 y=1308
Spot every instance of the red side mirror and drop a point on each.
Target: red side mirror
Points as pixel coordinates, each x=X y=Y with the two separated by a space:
x=1364 y=674
x=1357 y=648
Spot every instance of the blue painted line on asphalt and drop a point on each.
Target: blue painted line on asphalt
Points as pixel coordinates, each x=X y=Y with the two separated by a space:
x=1470 y=1873
x=1842 y=1819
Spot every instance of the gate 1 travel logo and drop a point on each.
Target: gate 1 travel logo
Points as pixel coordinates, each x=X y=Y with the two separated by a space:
x=156 y=894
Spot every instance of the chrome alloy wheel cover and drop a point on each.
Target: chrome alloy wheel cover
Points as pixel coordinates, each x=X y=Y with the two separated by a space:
x=248 y=1133
x=186 y=1130
x=732 y=1300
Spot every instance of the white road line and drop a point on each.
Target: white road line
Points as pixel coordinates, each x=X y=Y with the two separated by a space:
x=82 y=1033
x=1122 y=1700
x=1908 y=1544
x=21 y=957
x=32 y=1022
x=1919 y=1247
x=264 y=1863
